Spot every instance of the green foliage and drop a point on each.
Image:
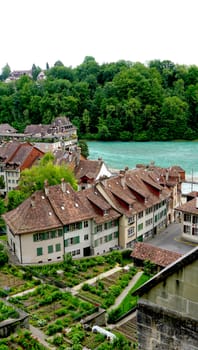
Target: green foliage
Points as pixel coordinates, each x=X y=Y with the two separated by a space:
x=149 y=268
x=34 y=179
x=113 y=101
x=3 y=256
x=84 y=148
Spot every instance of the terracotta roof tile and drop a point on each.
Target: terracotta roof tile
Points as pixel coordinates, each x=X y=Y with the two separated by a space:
x=158 y=256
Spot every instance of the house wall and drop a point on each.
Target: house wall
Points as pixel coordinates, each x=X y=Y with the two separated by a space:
x=167 y=314
x=190 y=229
x=77 y=249
x=25 y=248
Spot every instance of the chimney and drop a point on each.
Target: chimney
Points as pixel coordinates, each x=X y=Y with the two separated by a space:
x=32 y=201
x=122 y=180
x=63 y=185
x=46 y=187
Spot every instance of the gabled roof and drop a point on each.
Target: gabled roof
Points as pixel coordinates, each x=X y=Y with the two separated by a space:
x=7 y=128
x=35 y=129
x=88 y=168
x=35 y=214
x=129 y=187
x=57 y=206
x=17 y=153
x=183 y=261
x=161 y=257
x=190 y=207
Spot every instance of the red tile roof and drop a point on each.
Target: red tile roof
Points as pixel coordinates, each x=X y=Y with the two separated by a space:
x=158 y=256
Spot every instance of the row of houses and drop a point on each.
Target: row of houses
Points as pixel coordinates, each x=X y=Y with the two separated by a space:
x=61 y=133
x=113 y=212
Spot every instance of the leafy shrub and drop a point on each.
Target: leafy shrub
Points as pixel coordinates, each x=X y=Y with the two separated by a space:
x=54 y=328
x=61 y=312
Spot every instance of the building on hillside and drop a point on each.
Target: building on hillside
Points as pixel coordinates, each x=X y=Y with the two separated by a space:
x=167 y=315
x=59 y=220
x=116 y=211
x=88 y=172
x=17 y=74
x=60 y=134
x=146 y=252
x=188 y=213
x=141 y=201
x=15 y=157
x=168 y=177
x=7 y=129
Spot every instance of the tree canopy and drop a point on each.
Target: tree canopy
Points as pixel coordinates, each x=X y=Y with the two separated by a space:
x=114 y=101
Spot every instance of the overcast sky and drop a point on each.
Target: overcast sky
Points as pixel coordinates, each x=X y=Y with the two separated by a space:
x=40 y=31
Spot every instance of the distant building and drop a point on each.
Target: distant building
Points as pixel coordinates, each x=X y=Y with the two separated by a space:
x=88 y=172
x=15 y=157
x=60 y=134
x=16 y=74
x=167 y=315
x=158 y=256
x=188 y=213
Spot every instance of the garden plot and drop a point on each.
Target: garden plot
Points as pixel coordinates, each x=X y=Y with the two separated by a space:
x=105 y=291
x=53 y=310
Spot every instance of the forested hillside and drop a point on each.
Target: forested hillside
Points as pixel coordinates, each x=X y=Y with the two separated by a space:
x=114 y=101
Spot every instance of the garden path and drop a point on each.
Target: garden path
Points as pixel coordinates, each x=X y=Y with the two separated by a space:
x=126 y=290
x=75 y=289
x=40 y=336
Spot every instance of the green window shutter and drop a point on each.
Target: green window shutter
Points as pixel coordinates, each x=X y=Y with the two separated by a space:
x=76 y=240
x=80 y=224
x=50 y=249
x=66 y=243
x=58 y=247
x=39 y=251
x=116 y=234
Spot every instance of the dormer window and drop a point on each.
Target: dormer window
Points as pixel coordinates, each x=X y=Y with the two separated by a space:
x=105 y=212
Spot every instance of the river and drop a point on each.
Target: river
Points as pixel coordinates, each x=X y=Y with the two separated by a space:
x=118 y=155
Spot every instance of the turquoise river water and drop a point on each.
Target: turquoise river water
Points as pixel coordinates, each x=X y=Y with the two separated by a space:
x=118 y=155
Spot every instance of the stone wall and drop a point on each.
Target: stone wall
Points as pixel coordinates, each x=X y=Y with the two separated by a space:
x=160 y=329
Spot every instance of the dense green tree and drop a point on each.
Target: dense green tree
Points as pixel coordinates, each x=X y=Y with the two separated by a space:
x=5 y=72
x=119 y=100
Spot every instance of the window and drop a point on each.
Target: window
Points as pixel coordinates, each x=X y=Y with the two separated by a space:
x=186 y=229
x=98 y=228
x=52 y=234
x=131 y=219
x=149 y=210
x=39 y=251
x=86 y=237
x=149 y=222
x=140 y=215
x=75 y=252
x=115 y=234
x=50 y=249
x=110 y=237
x=60 y=233
x=72 y=240
x=131 y=231
x=73 y=227
x=140 y=227
x=195 y=219
x=195 y=231
x=86 y=223
x=58 y=247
